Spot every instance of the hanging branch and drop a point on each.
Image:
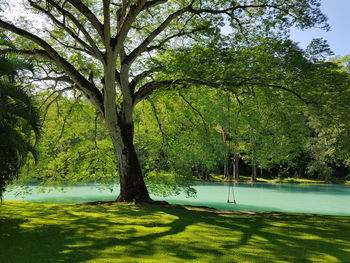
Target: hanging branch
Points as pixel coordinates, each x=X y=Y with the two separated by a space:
x=229 y=86
x=281 y=88
x=147 y=89
x=193 y=108
x=50 y=103
x=164 y=136
x=95 y=130
x=68 y=115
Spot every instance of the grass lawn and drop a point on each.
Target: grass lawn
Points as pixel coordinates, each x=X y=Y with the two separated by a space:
x=289 y=180
x=35 y=232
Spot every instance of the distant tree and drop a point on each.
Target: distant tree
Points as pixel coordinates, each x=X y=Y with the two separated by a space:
x=330 y=145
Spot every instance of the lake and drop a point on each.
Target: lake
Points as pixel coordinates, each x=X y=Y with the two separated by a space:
x=299 y=198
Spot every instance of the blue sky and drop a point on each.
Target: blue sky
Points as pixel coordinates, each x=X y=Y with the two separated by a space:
x=338 y=13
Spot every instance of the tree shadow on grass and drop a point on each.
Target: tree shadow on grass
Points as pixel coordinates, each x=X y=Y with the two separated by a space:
x=298 y=237
x=78 y=233
x=21 y=244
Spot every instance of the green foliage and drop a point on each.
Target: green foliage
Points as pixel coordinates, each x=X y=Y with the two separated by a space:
x=19 y=121
x=329 y=119
x=166 y=184
x=176 y=135
x=259 y=119
x=179 y=132
x=75 y=146
x=285 y=101
x=185 y=132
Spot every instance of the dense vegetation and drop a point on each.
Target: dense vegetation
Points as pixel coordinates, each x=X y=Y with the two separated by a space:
x=19 y=118
x=192 y=133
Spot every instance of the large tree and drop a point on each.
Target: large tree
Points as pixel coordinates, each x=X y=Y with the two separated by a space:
x=105 y=50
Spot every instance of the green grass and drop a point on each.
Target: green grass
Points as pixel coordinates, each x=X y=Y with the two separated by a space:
x=289 y=180
x=35 y=232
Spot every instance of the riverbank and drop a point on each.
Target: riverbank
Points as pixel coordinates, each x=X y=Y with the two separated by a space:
x=36 y=232
x=288 y=180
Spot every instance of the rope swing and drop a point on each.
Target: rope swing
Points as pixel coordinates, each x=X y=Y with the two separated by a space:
x=230 y=184
x=231 y=189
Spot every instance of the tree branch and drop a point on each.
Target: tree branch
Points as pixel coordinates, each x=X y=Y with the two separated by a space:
x=64 y=27
x=55 y=79
x=282 y=88
x=179 y=34
x=125 y=24
x=149 y=87
x=55 y=99
x=73 y=47
x=143 y=46
x=228 y=11
x=89 y=15
x=153 y=3
x=88 y=88
x=65 y=13
x=76 y=101
x=139 y=77
x=164 y=136
x=193 y=108
x=107 y=23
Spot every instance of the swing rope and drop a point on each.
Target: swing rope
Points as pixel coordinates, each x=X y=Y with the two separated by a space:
x=230 y=185
x=231 y=189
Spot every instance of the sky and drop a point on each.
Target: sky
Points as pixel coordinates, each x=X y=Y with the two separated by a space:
x=338 y=13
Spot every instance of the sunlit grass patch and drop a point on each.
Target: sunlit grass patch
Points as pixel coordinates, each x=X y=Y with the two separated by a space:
x=35 y=232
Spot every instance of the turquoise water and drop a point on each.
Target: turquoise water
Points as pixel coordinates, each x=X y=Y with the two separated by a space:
x=316 y=199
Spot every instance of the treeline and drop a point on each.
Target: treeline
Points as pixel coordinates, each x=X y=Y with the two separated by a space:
x=251 y=136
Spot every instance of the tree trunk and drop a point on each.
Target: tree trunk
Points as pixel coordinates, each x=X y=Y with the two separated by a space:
x=235 y=168
x=227 y=174
x=229 y=167
x=253 y=176
x=132 y=185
